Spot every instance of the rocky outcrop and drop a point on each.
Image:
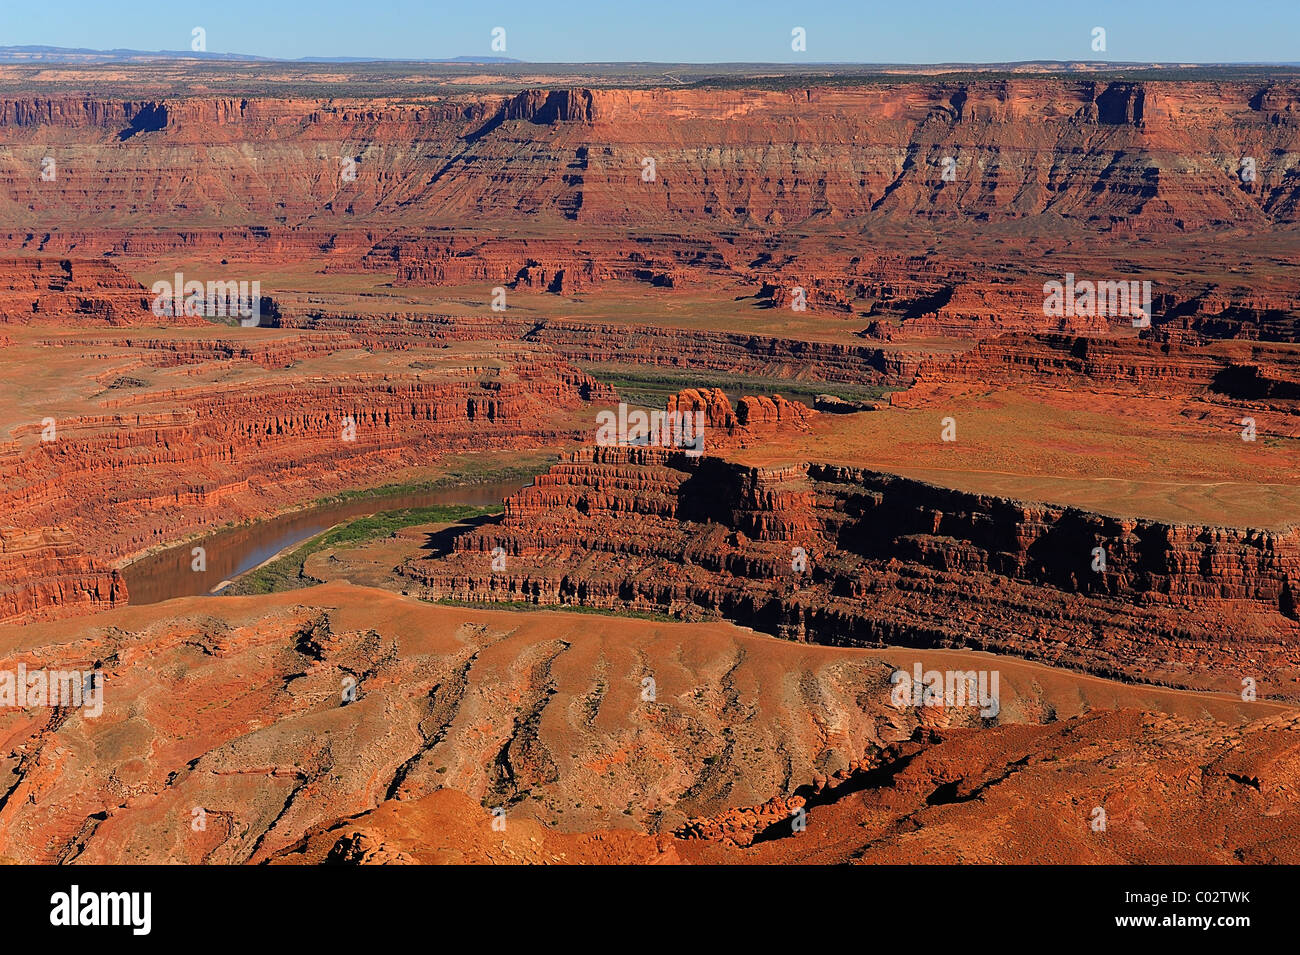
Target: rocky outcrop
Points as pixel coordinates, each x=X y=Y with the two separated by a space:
x=853 y=557
x=739 y=827
x=751 y=419
x=40 y=291
x=48 y=572
x=550 y=106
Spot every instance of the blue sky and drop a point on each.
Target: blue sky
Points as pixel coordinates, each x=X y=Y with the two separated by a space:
x=865 y=31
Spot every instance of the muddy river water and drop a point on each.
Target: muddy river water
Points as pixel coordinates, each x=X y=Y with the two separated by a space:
x=232 y=551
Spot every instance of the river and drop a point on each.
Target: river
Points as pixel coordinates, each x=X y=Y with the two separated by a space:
x=232 y=551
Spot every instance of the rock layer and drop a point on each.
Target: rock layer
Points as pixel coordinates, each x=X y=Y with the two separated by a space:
x=1150 y=155
x=187 y=434
x=851 y=557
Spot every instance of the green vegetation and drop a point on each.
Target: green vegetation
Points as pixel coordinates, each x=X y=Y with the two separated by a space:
x=286 y=572
x=652 y=388
x=469 y=474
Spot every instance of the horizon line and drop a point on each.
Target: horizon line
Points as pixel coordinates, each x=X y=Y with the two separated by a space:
x=13 y=54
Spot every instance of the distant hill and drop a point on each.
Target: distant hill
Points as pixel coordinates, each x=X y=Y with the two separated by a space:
x=59 y=54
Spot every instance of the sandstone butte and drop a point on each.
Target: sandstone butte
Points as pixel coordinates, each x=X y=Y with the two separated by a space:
x=827 y=536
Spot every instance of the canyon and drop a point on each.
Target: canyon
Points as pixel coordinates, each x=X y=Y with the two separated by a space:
x=215 y=431
x=839 y=190
x=851 y=557
x=908 y=458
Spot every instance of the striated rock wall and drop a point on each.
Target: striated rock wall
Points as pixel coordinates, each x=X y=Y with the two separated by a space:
x=161 y=464
x=1257 y=379
x=47 y=573
x=1147 y=156
x=758 y=190
x=691 y=349
x=846 y=556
